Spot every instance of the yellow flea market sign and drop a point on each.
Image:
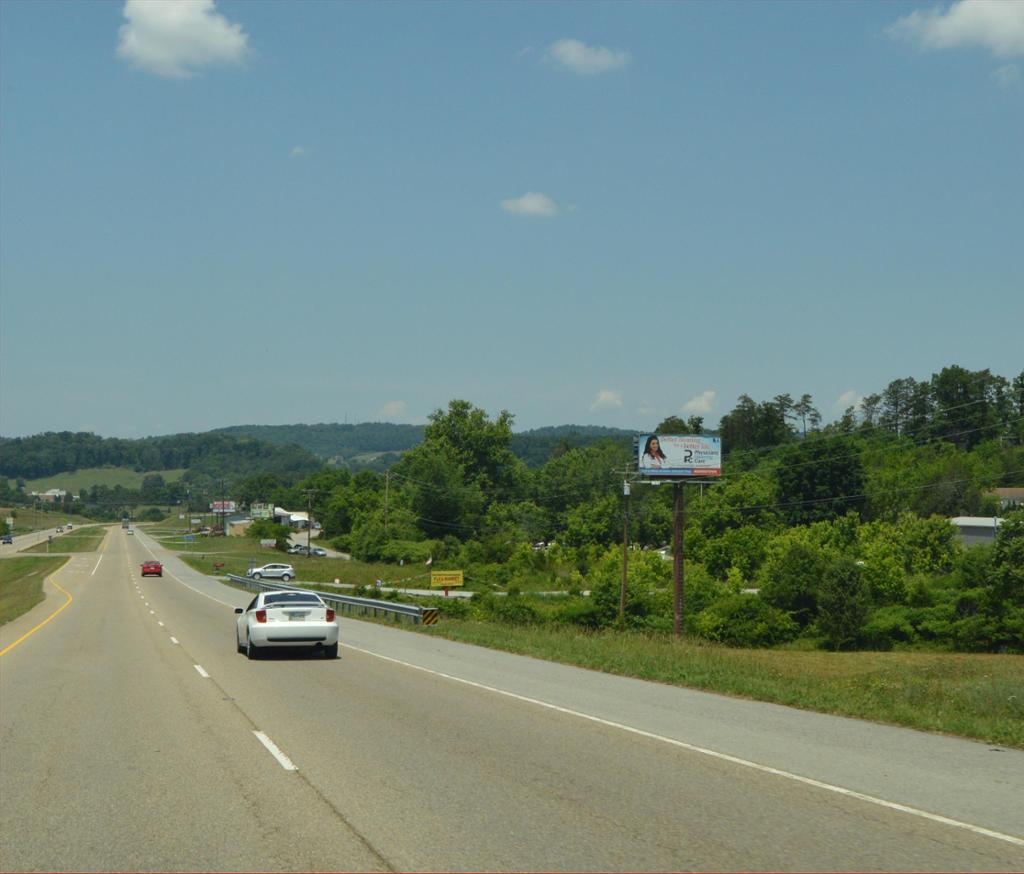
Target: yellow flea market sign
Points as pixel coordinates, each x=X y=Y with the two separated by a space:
x=445 y=579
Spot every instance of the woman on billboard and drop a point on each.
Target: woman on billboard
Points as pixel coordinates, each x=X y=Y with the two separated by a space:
x=653 y=456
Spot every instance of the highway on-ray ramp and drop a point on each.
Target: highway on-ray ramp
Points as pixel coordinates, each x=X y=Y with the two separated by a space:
x=133 y=736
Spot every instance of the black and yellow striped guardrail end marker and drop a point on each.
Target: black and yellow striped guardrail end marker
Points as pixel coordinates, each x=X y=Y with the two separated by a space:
x=430 y=615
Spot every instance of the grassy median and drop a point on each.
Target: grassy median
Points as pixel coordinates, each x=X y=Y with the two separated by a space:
x=21 y=583
x=76 y=540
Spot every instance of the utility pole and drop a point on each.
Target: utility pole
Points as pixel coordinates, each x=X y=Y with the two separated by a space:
x=309 y=516
x=679 y=508
x=387 y=483
x=625 y=550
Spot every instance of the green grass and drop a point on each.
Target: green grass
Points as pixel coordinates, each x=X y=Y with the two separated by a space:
x=76 y=540
x=75 y=480
x=975 y=696
x=21 y=584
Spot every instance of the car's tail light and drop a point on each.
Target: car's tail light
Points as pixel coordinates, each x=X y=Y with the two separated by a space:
x=330 y=615
x=261 y=615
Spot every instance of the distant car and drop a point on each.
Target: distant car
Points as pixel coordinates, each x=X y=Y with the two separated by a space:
x=129 y=531
x=272 y=572
x=60 y=529
x=286 y=619
x=297 y=550
x=6 y=538
x=69 y=526
x=318 y=550
x=152 y=567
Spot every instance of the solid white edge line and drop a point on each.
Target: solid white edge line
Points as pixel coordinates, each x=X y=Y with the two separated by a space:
x=202 y=673
x=766 y=769
x=272 y=747
x=174 y=640
x=97 y=566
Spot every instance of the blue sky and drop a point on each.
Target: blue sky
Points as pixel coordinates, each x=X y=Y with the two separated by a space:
x=283 y=212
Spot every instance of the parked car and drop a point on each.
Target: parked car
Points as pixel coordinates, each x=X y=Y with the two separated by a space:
x=6 y=539
x=152 y=567
x=318 y=550
x=69 y=526
x=297 y=549
x=272 y=572
x=286 y=619
x=60 y=529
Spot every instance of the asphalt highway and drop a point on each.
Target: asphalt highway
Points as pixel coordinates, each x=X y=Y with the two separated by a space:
x=134 y=737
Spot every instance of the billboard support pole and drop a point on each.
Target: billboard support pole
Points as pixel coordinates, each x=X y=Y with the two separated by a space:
x=678 y=509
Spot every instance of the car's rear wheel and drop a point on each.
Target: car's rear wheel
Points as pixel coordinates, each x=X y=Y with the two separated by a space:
x=250 y=651
x=286 y=577
x=331 y=652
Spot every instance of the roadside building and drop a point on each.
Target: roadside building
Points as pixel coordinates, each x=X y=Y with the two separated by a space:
x=974 y=530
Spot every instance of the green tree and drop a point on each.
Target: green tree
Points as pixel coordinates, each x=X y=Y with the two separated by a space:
x=820 y=478
x=843 y=604
x=790 y=579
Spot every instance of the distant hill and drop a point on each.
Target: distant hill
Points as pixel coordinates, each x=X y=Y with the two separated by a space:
x=370 y=445
x=378 y=445
x=211 y=455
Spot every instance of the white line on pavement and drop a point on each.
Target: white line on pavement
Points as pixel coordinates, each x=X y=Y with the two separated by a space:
x=282 y=759
x=174 y=640
x=202 y=673
x=839 y=790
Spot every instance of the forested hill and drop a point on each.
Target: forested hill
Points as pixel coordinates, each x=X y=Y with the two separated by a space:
x=348 y=445
x=334 y=441
x=209 y=454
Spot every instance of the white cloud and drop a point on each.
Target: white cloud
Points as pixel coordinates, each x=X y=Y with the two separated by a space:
x=1007 y=76
x=700 y=404
x=531 y=203
x=996 y=25
x=172 y=38
x=298 y=152
x=606 y=399
x=847 y=399
x=581 y=58
x=392 y=410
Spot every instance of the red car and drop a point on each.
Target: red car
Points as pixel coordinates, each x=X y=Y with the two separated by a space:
x=152 y=567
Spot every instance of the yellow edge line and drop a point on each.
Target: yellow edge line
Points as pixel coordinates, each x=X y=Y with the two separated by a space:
x=53 y=615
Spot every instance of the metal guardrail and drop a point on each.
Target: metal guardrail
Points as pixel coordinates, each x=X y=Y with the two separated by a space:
x=349 y=603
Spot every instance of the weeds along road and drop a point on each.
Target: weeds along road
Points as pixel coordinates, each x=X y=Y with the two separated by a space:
x=128 y=741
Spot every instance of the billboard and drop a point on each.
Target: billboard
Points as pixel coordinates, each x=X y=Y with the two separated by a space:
x=679 y=455
x=222 y=507
x=261 y=511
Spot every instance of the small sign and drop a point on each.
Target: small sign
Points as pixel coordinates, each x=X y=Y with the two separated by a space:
x=445 y=579
x=189 y=538
x=269 y=543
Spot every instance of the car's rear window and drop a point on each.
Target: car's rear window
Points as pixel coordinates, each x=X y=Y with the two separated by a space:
x=292 y=598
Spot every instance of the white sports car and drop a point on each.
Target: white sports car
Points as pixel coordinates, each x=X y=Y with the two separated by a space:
x=286 y=619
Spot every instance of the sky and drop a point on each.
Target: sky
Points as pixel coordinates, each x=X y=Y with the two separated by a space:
x=225 y=213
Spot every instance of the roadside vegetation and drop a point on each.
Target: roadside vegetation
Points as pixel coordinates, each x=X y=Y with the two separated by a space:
x=77 y=540
x=21 y=584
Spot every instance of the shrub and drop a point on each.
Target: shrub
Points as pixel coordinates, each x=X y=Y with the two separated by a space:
x=888 y=626
x=513 y=611
x=745 y=620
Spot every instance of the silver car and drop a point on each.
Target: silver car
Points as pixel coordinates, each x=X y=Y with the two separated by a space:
x=286 y=619
x=272 y=572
